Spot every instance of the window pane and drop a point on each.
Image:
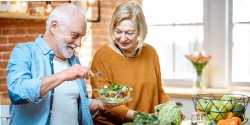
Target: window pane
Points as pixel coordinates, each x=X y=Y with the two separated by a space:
x=241 y=41
x=241 y=9
x=162 y=39
x=174 y=30
x=241 y=53
x=173 y=11
x=172 y=43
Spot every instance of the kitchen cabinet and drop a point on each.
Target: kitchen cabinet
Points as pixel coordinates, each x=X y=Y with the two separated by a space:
x=5 y=116
x=185 y=105
x=247 y=113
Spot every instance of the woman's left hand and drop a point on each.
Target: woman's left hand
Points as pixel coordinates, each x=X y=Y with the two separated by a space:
x=182 y=116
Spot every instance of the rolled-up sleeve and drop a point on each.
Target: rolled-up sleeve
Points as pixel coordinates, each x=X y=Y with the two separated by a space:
x=22 y=86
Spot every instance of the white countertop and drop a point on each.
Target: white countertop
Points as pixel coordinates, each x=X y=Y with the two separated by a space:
x=188 y=92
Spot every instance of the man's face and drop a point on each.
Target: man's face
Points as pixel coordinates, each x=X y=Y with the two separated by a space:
x=67 y=50
x=68 y=38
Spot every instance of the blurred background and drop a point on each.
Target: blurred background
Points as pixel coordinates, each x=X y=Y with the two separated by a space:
x=220 y=28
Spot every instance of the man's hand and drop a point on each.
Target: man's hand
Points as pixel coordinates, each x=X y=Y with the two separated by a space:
x=96 y=105
x=72 y=73
x=76 y=71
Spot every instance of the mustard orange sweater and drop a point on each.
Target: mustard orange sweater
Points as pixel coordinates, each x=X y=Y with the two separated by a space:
x=142 y=73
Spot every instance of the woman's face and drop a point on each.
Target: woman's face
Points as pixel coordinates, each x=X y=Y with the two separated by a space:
x=126 y=35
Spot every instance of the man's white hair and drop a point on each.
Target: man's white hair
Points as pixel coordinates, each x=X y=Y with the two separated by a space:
x=62 y=14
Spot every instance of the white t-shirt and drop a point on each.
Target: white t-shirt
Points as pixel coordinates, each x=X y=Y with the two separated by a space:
x=65 y=106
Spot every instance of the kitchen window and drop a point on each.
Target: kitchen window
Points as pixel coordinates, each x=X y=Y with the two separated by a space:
x=241 y=42
x=220 y=28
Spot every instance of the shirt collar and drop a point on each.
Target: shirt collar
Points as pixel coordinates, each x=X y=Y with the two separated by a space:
x=47 y=50
x=43 y=46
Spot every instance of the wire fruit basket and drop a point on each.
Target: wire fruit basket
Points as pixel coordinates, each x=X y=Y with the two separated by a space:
x=220 y=107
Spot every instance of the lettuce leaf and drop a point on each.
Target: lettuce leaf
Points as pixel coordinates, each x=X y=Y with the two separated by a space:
x=168 y=114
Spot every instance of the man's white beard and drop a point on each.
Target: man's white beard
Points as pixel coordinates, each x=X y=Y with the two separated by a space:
x=62 y=45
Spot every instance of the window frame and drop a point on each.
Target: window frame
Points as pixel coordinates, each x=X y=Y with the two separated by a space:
x=230 y=49
x=218 y=28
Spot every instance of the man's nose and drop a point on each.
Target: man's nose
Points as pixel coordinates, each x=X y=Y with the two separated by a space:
x=78 y=42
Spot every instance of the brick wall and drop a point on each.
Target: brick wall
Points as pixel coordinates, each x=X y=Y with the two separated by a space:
x=14 y=31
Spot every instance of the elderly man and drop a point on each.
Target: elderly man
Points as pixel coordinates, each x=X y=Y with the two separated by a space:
x=45 y=79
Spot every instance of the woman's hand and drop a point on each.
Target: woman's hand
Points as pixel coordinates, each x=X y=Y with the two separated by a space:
x=130 y=116
x=182 y=116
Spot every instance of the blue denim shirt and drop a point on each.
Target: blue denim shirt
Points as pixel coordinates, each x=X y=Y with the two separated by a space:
x=28 y=63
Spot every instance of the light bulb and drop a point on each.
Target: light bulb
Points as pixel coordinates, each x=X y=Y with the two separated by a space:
x=48 y=8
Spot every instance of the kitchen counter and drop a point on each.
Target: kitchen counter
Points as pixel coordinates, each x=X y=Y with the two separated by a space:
x=183 y=96
x=188 y=92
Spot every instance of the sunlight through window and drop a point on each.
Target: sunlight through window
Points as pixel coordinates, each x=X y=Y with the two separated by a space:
x=174 y=30
x=241 y=41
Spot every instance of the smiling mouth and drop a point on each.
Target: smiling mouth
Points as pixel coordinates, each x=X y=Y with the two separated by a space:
x=71 y=48
x=123 y=44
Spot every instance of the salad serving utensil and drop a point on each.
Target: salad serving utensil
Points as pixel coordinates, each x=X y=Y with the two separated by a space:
x=99 y=74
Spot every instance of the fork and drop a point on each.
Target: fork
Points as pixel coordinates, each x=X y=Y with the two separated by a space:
x=99 y=74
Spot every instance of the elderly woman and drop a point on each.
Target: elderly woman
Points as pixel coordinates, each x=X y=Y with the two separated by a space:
x=128 y=61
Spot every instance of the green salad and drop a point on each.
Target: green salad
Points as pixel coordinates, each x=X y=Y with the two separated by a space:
x=115 y=93
x=141 y=118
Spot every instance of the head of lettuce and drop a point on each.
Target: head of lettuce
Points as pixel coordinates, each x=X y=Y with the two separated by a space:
x=168 y=114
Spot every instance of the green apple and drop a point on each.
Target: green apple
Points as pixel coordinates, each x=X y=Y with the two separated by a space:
x=209 y=116
x=204 y=104
x=239 y=110
x=228 y=101
x=216 y=102
x=210 y=122
x=218 y=111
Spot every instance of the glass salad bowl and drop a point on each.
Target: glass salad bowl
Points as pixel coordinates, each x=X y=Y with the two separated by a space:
x=114 y=94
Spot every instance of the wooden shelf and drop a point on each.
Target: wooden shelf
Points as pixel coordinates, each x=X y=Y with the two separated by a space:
x=13 y=15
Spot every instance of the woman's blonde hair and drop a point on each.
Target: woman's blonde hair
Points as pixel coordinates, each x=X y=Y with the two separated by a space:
x=131 y=11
